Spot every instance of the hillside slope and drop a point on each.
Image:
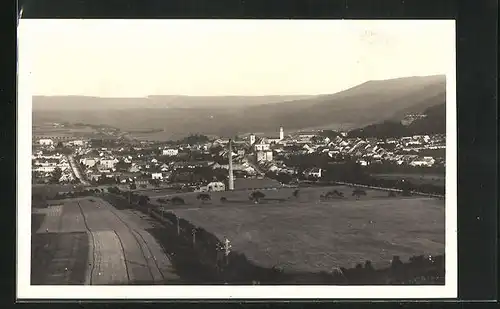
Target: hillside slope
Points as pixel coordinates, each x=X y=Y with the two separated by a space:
x=365 y=104
x=433 y=123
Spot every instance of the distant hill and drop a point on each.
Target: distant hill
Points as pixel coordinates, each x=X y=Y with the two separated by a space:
x=63 y=103
x=368 y=103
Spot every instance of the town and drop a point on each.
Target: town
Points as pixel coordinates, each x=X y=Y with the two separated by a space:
x=200 y=163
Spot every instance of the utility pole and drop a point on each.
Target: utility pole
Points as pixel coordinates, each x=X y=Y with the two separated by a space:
x=227 y=249
x=178 y=227
x=194 y=231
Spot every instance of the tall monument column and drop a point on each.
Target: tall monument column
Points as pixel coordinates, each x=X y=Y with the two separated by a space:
x=231 y=179
x=282 y=133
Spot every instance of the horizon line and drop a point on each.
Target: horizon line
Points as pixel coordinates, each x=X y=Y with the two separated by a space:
x=235 y=95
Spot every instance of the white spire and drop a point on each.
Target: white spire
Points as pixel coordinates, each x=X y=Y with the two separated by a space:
x=282 y=133
x=252 y=139
x=231 y=179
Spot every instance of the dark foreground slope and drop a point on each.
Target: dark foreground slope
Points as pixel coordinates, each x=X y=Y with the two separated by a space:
x=433 y=123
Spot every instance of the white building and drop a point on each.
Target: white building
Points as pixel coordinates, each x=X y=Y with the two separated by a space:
x=156 y=176
x=170 y=152
x=78 y=142
x=315 y=172
x=261 y=145
x=66 y=177
x=425 y=161
x=108 y=163
x=45 y=168
x=89 y=162
x=63 y=165
x=216 y=186
x=264 y=156
x=46 y=142
x=52 y=156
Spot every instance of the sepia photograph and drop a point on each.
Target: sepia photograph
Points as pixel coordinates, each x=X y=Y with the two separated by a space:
x=237 y=158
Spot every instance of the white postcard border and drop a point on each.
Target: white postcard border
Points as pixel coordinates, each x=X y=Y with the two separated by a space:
x=27 y=291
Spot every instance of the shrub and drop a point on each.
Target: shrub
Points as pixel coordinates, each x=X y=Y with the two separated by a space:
x=203 y=197
x=178 y=200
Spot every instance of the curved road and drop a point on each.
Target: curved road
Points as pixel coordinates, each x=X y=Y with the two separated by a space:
x=76 y=170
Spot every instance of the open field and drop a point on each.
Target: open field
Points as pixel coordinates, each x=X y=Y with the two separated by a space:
x=51 y=131
x=418 y=179
x=273 y=196
x=48 y=191
x=88 y=241
x=309 y=234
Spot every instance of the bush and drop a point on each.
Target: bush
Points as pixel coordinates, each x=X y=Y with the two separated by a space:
x=204 y=197
x=256 y=196
x=178 y=200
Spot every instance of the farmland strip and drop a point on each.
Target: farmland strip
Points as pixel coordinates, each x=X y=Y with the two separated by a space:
x=153 y=253
x=123 y=252
x=110 y=262
x=51 y=220
x=92 y=251
x=161 y=260
x=138 y=242
x=153 y=258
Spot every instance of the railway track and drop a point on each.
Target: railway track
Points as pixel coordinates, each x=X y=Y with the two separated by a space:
x=90 y=279
x=145 y=249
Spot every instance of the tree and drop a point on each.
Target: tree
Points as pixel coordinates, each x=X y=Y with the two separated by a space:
x=284 y=178
x=176 y=200
x=56 y=175
x=132 y=186
x=368 y=265
x=122 y=166
x=256 y=196
x=406 y=192
x=155 y=182
x=333 y=194
x=317 y=139
x=203 y=197
x=143 y=200
x=358 y=192
x=194 y=139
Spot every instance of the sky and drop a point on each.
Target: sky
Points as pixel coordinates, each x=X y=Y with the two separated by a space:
x=137 y=58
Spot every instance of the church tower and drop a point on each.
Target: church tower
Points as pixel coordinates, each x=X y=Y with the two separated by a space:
x=282 y=133
x=252 y=139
